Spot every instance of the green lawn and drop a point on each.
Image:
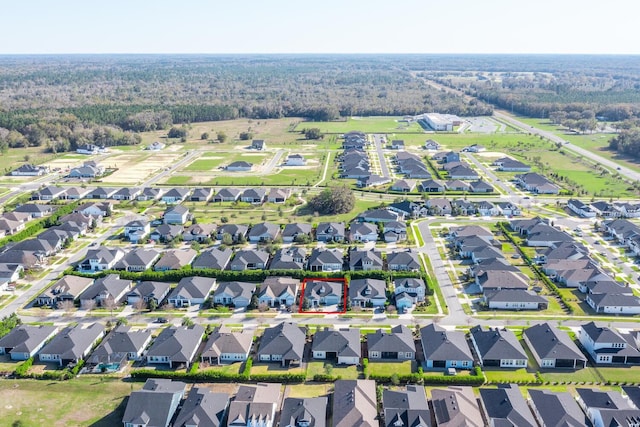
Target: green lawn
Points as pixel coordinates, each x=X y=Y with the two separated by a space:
x=364 y=124
x=390 y=368
x=620 y=374
x=566 y=376
x=498 y=375
x=232 y=368
x=343 y=371
x=204 y=164
x=309 y=390
x=77 y=402
x=274 y=368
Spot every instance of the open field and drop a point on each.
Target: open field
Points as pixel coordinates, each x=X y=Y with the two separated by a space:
x=364 y=124
x=136 y=167
x=78 y=402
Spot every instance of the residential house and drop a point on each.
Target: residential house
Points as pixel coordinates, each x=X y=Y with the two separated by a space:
x=553 y=348
x=614 y=303
x=394 y=231
x=138 y=259
x=175 y=195
x=407 y=407
x=201 y=195
x=224 y=346
x=191 y=291
x=365 y=260
x=536 y=183
x=155 y=404
x=264 y=232
x=486 y=208
x=505 y=406
x=68 y=288
x=581 y=209
x=227 y=195
x=213 y=258
x=457 y=185
x=308 y=411
x=283 y=343
x=10 y=227
x=119 y=346
x=254 y=405
x=149 y=291
x=480 y=186
x=150 y=193
x=50 y=192
x=175 y=259
x=605 y=209
x=444 y=349
x=363 y=232
x=35 y=210
x=463 y=172
x=237 y=294
x=136 y=230
x=105 y=290
x=96 y=210
x=293 y=230
x=71 y=344
x=166 y=232
x=397 y=144
x=326 y=260
x=341 y=346
x=176 y=215
x=431 y=145
x=198 y=233
x=88 y=149
x=395 y=345
x=9 y=273
x=278 y=195
x=607 y=408
x=507 y=164
x=431 y=186
x=368 y=292
x=24 y=341
x=258 y=144
x=255 y=196
x=330 y=232
x=29 y=169
x=277 y=291
x=404 y=185
x=102 y=193
x=295 y=160
x=379 y=215
x=514 y=299
x=203 y=407
x=237 y=232
x=556 y=408
x=496 y=280
x=498 y=347
x=456 y=407
x=354 y=404
x=100 y=259
x=406 y=260
x=249 y=259
x=608 y=346
x=155 y=146
x=175 y=346
x=508 y=209
x=323 y=292
x=408 y=291
x=291 y=258
x=439 y=206
x=86 y=171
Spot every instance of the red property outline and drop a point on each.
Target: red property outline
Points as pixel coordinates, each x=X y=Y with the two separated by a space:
x=318 y=279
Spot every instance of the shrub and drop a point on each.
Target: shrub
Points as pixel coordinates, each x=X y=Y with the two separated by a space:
x=23 y=368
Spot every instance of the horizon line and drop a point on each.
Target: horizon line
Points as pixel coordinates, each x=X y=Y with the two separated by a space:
x=317 y=53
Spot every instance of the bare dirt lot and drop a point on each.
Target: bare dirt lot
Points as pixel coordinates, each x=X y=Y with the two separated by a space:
x=135 y=168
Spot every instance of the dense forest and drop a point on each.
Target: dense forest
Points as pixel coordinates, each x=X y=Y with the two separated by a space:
x=60 y=102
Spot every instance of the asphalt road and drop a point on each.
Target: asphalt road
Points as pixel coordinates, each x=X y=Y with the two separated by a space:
x=384 y=169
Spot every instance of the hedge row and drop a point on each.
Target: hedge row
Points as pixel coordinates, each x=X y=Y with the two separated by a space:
x=218 y=376
x=22 y=371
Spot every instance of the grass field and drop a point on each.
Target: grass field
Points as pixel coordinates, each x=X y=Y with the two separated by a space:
x=344 y=372
x=497 y=375
x=78 y=402
x=390 y=368
x=274 y=368
x=364 y=124
x=309 y=390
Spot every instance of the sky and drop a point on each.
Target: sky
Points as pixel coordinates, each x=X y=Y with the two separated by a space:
x=320 y=26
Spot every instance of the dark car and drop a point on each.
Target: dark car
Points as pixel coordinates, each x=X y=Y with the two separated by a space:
x=161 y=320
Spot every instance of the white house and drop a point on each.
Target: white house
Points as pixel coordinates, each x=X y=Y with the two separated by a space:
x=295 y=160
x=606 y=345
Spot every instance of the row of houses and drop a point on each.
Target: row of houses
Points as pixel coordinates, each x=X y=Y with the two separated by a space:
x=289 y=258
x=411 y=165
x=355 y=403
x=604 y=209
x=568 y=263
x=445 y=206
x=15 y=221
x=170 y=196
x=503 y=285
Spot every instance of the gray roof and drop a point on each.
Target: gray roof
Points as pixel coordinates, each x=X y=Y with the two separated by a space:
x=71 y=342
x=456 y=407
x=118 y=343
x=236 y=289
x=70 y=286
x=291 y=258
x=409 y=283
x=317 y=289
x=363 y=228
x=615 y=300
x=344 y=342
x=399 y=339
x=175 y=259
x=441 y=344
x=330 y=228
x=232 y=229
x=203 y=407
x=497 y=344
x=593 y=398
x=111 y=284
x=228 y=193
x=213 y=258
x=514 y=295
x=602 y=334
x=548 y=342
x=222 y=341
x=502 y=279
x=276 y=286
x=285 y=339
x=249 y=256
x=354 y=403
x=367 y=288
x=202 y=192
x=505 y=406
x=253 y=404
x=310 y=412
x=296 y=228
x=264 y=228
x=359 y=258
x=103 y=254
x=26 y=338
x=153 y=405
x=557 y=408
x=320 y=256
x=177 y=192
x=193 y=287
x=254 y=193
x=407 y=258
x=137 y=257
x=150 y=289
x=177 y=342
x=176 y=210
x=408 y=406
